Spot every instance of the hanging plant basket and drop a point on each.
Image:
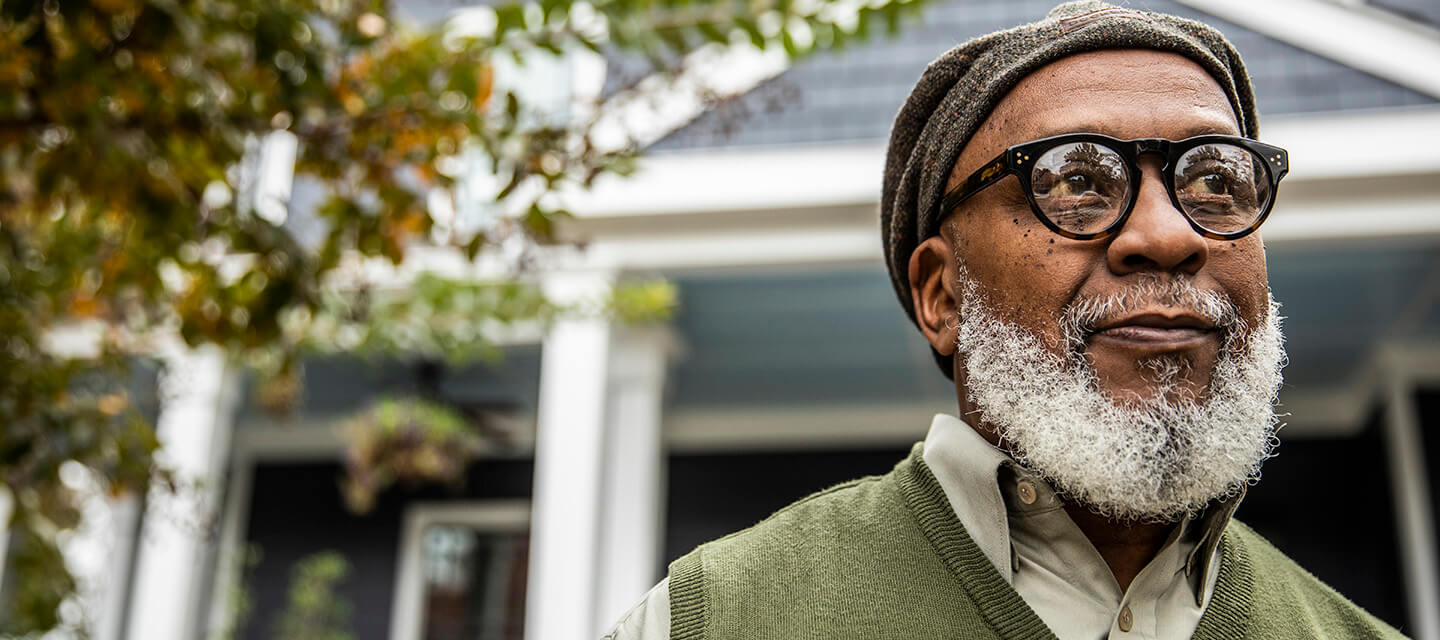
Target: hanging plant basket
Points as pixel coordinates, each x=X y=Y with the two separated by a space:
x=406 y=441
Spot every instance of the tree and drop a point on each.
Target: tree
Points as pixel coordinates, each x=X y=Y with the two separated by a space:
x=128 y=131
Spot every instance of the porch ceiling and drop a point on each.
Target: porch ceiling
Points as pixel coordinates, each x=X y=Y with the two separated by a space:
x=838 y=338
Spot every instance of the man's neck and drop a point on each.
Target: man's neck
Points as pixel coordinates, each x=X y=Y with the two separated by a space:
x=1126 y=547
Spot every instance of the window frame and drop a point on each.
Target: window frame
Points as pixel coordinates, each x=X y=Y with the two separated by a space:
x=407 y=615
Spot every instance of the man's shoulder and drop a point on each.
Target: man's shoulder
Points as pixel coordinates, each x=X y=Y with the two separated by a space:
x=851 y=560
x=831 y=516
x=821 y=517
x=1286 y=595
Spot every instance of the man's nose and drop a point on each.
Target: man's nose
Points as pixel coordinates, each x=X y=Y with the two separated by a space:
x=1156 y=237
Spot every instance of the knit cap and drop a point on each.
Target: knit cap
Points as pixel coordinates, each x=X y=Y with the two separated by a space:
x=960 y=88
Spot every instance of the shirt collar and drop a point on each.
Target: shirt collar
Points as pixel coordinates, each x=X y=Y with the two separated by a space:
x=970 y=469
x=966 y=466
x=1209 y=526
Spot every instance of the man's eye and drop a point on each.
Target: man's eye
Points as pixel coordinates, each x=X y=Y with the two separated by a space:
x=1211 y=183
x=1078 y=183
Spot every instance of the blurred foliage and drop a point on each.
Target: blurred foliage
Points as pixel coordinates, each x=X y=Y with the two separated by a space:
x=406 y=441
x=130 y=132
x=314 y=611
x=35 y=603
x=238 y=599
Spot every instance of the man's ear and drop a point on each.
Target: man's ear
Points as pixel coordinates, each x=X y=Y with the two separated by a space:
x=932 y=292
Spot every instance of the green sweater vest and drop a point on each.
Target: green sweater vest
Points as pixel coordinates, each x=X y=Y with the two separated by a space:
x=885 y=557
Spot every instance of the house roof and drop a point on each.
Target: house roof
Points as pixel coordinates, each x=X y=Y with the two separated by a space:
x=853 y=95
x=1424 y=11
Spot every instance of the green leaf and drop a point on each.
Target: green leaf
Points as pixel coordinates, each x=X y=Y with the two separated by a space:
x=892 y=18
x=473 y=247
x=753 y=30
x=675 y=39
x=512 y=106
x=508 y=17
x=712 y=33
x=862 y=26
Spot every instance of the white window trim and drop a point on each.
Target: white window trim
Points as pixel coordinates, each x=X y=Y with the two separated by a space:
x=407 y=607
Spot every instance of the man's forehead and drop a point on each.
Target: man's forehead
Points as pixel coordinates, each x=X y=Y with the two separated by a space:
x=1123 y=93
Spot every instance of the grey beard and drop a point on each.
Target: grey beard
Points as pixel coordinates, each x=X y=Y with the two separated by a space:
x=1153 y=459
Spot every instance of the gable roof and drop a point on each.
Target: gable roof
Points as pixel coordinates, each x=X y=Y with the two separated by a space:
x=852 y=95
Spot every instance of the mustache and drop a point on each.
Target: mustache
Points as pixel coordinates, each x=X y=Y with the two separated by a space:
x=1084 y=314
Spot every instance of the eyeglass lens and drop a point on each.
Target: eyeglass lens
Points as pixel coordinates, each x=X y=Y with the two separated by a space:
x=1080 y=186
x=1222 y=187
x=1083 y=187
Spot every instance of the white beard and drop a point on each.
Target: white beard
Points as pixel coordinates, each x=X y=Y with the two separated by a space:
x=1149 y=460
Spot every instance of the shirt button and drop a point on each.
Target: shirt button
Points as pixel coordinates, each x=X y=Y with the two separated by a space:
x=1026 y=491
x=1126 y=619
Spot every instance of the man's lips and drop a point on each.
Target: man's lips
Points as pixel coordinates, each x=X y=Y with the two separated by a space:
x=1156 y=331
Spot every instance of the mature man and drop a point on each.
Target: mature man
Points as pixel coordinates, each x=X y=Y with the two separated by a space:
x=1069 y=215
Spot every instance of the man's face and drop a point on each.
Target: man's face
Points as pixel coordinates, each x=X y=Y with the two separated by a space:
x=1028 y=275
x=1136 y=372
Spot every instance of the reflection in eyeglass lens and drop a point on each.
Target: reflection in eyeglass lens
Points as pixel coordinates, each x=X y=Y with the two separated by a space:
x=1222 y=187
x=1080 y=186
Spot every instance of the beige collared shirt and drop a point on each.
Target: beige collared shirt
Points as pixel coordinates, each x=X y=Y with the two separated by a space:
x=1022 y=528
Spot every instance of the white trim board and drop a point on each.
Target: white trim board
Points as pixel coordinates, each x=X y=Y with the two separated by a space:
x=1322 y=147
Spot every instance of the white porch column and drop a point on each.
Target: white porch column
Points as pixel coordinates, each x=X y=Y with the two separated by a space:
x=198 y=394
x=117 y=539
x=1415 y=522
x=632 y=513
x=569 y=449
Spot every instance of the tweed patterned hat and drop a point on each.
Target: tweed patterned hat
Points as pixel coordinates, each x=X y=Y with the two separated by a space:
x=960 y=88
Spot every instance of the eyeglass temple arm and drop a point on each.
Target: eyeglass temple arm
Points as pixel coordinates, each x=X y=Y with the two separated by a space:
x=983 y=177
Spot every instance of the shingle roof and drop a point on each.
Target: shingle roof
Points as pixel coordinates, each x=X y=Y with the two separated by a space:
x=852 y=95
x=1425 y=11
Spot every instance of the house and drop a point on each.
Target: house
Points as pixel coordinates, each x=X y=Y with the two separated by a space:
x=790 y=367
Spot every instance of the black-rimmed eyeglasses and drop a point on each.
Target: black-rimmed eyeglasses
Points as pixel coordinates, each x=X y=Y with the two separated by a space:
x=1083 y=185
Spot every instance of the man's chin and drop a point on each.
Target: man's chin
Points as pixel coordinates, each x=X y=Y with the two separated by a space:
x=1174 y=393
x=1175 y=378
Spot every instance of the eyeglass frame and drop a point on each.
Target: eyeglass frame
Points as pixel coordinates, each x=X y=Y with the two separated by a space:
x=1019 y=160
